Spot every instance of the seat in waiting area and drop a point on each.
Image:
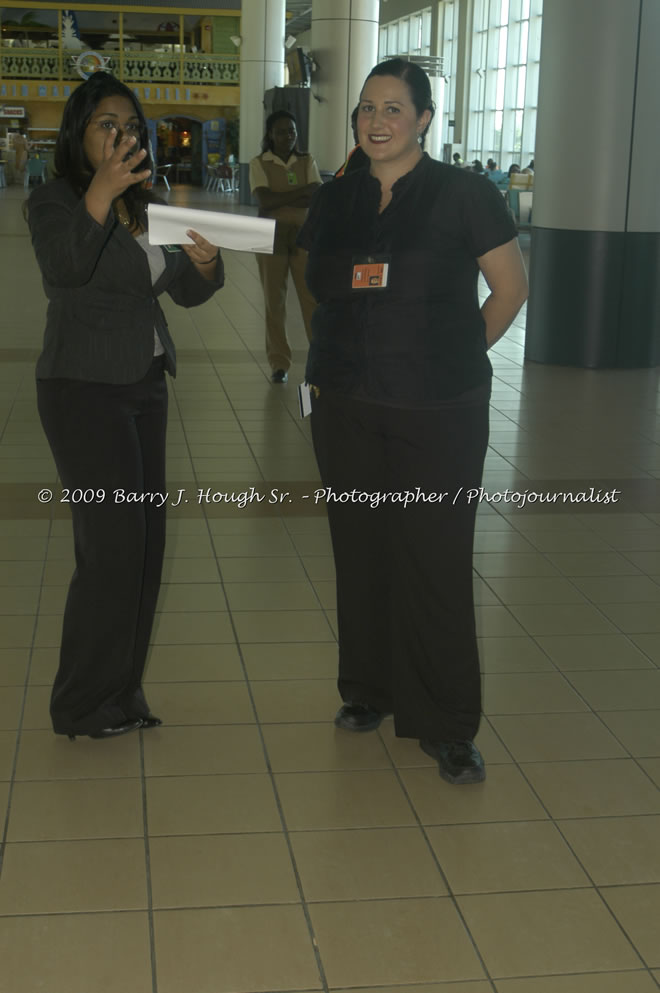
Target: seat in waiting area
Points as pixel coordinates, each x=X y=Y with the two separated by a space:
x=35 y=169
x=162 y=173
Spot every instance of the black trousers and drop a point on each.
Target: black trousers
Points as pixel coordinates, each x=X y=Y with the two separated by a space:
x=407 y=641
x=108 y=438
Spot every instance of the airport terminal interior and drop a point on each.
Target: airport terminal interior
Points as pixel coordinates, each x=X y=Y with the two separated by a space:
x=248 y=845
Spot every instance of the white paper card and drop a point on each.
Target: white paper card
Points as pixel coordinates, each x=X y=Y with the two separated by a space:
x=168 y=226
x=304 y=400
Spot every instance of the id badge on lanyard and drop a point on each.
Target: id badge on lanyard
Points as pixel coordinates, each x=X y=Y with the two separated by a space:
x=370 y=272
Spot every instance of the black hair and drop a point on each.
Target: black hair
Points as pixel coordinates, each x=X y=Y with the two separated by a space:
x=477 y=166
x=418 y=84
x=72 y=164
x=277 y=115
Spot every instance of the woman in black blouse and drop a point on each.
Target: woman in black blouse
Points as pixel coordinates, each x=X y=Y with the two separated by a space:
x=400 y=385
x=103 y=397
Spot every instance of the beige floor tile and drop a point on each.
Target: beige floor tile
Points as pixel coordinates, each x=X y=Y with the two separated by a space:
x=201 y=703
x=619 y=589
x=629 y=690
x=649 y=643
x=17 y=631
x=496 y=564
x=406 y=753
x=366 y=865
x=281 y=625
x=213 y=951
x=486 y=858
x=190 y=628
x=44 y=755
x=178 y=805
x=634 y=618
x=22 y=547
x=568 y=618
x=316 y=801
x=393 y=941
x=605 y=651
x=556 y=737
x=19 y=599
x=43 y=666
x=289 y=700
x=262 y=569
x=529 y=693
x=53 y=599
x=616 y=851
x=497 y=622
x=8 y=742
x=594 y=982
x=11 y=704
x=190 y=751
x=191 y=597
x=501 y=541
x=271 y=596
x=478 y=986
x=637 y=730
x=593 y=564
x=190 y=571
x=505 y=796
x=75 y=953
x=532 y=934
x=319 y=568
x=637 y=909
x=92 y=808
x=248 y=545
x=61 y=877
x=13 y=666
x=512 y=655
x=322 y=748
x=246 y=525
x=20 y=573
x=48 y=632
x=532 y=590
x=221 y=871
x=193 y=663
x=652 y=768
x=291 y=660
x=598 y=788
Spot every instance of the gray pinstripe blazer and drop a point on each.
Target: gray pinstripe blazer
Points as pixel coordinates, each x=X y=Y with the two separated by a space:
x=102 y=308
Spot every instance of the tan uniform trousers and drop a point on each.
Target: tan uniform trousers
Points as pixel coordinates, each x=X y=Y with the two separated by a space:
x=274 y=272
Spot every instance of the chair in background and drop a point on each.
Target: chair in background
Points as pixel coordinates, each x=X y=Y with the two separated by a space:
x=35 y=169
x=162 y=172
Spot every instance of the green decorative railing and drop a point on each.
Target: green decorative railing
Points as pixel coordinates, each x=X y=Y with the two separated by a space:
x=135 y=67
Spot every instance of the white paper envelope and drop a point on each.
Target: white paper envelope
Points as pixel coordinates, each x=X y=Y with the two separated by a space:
x=168 y=226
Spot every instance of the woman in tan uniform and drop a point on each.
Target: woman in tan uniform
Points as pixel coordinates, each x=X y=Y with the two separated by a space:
x=283 y=180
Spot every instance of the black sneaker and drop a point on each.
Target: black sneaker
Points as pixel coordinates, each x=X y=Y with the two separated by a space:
x=459 y=762
x=279 y=376
x=358 y=717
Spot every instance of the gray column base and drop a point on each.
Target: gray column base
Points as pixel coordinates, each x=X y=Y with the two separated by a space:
x=594 y=299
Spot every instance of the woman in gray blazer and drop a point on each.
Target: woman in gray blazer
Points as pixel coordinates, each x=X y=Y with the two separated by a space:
x=103 y=398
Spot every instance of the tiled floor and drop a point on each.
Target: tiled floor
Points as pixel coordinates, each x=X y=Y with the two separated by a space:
x=247 y=845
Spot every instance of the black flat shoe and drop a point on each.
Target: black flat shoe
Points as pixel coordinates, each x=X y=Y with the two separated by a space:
x=113 y=732
x=459 y=762
x=279 y=376
x=358 y=717
x=150 y=722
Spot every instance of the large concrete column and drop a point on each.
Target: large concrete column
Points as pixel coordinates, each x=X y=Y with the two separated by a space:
x=262 y=67
x=595 y=259
x=345 y=47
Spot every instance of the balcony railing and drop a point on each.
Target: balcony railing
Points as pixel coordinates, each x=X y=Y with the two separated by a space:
x=134 y=67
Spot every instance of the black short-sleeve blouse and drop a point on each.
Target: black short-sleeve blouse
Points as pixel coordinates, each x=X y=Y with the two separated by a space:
x=420 y=341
